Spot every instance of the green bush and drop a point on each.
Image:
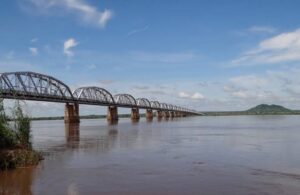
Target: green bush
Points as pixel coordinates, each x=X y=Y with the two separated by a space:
x=17 y=134
x=22 y=127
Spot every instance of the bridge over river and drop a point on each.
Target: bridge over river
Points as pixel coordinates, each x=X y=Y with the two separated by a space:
x=41 y=87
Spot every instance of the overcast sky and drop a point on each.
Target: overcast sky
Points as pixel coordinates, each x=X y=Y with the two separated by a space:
x=205 y=55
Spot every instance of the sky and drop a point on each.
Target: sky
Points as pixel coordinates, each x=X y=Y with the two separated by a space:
x=205 y=55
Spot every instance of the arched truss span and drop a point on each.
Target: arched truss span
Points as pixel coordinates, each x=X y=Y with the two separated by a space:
x=171 y=107
x=143 y=102
x=164 y=106
x=125 y=99
x=155 y=105
x=33 y=86
x=175 y=108
x=93 y=94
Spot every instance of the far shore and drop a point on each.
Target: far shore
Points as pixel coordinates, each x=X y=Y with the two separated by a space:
x=210 y=113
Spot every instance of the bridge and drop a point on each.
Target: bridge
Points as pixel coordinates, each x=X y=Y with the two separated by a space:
x=41 y=87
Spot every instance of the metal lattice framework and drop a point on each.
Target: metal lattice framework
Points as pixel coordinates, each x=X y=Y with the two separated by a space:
x=40 y=87
x=170 y=107
x=155 y=104
x=125 y=100
x=164 y=106
x=94 y=95
x=34 y=86
x=143 y=102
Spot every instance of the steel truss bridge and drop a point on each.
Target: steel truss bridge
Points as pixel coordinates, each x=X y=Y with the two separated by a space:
x=41 y=87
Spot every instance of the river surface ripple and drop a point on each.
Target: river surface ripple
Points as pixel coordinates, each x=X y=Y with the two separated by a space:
x=196 y=155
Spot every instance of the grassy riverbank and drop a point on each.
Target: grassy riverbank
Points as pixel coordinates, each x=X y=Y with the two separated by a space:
x=15 y=140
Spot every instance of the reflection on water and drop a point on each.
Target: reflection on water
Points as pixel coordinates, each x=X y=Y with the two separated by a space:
x=198 y=155
x=72 y=132
x=17 y=182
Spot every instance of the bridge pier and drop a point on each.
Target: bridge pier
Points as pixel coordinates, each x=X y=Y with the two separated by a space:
x=135 y=115
x=149 y=115
x=159 y=114
x=112 y=114
x=166 y=114
x=72 y=113
x=172 y=114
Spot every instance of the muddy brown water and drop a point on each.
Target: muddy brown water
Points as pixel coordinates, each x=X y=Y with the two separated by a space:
x=197 y=155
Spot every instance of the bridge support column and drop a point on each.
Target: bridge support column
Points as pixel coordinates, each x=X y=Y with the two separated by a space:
x=166 y=114
x=177 y=114
x=149 y=115
x=112 y=114
x=72 y=113
x=159 y=114
x=135 y=115
x=172 y=114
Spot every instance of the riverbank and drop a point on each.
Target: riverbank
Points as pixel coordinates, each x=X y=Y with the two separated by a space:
x=14 y=158
x=15 y=140
x=241 y=113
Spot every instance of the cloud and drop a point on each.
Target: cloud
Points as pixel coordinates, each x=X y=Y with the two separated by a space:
x=195 y=96
x=33 y=40
x=106 y=82
x=140 y=87
x=261 y=29
x=87 y=13
x=281 y=48
x=184 y=95
x=138 y=30
x=68 y=45
x=34 y=51
x=178 y=57
x=91 y=66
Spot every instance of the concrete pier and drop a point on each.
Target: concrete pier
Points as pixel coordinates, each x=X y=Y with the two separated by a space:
x=172 y=114
x=159 y=114
x=135 y=114
x=149 y=114
x=112 y=114
x=72 y=113
x=166 y=114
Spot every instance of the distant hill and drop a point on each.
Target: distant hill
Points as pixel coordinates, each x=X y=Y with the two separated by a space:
x=269 y=109
x=263 y=109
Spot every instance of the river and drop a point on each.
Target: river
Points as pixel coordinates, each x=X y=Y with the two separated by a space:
x=193 y=155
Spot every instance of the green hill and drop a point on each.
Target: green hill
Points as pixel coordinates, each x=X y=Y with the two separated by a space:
x=263 y=109
x=269 y=109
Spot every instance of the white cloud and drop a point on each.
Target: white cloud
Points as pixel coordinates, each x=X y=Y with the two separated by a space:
x=91 y=66
x=195 y=96
x=68 y=45
x=34 y=51
x=282 y=48
x=138 y=30
x=106 y=82
x=33 y=40
x=87 y=13
x=178 y=57
x=184 y=95
x=261 y=29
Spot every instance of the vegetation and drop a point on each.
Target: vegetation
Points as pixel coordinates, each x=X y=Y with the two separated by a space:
x=15 y=140
x=262 y=109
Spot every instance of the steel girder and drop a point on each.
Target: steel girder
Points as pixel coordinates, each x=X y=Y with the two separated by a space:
x=125 y=99
x=41 y=87
x=33 y=86
x=143 y=102
x=94 y=95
